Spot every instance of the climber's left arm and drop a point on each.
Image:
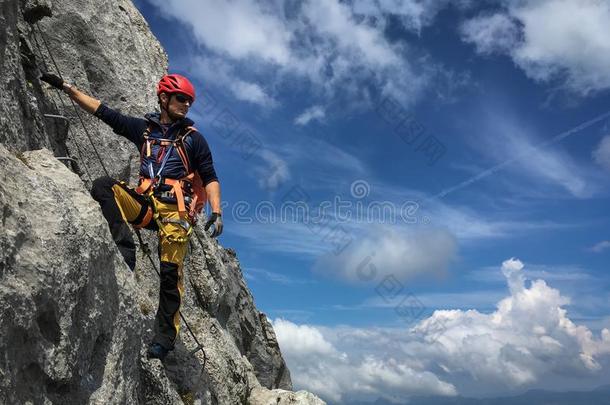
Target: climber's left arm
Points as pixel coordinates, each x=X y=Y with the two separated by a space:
x=205 y=167
x=212 y=189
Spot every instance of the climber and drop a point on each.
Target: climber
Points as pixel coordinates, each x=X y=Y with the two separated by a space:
x=176 y=176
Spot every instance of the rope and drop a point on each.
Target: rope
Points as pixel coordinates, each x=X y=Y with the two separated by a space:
x=80 y=118
x=147 y=252
x=143 y=245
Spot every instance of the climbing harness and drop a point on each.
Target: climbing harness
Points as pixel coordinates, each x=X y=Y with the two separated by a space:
x=196 y=202
x=188 y=192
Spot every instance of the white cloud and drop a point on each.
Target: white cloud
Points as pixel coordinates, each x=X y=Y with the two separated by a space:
x=335 y=20
x=344 y=52
x=221 y=72
x=371 y=251
x=463 y=222
x=414 y=14
x=527 y=342
x=250 y=92
x=315 y=112
x=550 y=166
x=318 y=366
x=470 y=226
x=258 y=274
x=390 y=234
x=241 y=29
x=345 y=242
x=497 y=33
x=377 y=252
x=273 y=173
x=519 y=149
x=559 y=40
x=566 y=274
x=320 y=41
x=600 y=247
x=601 y=155
x=322 y=159
x=527 y=339
x=304 y=340
x=279 y=237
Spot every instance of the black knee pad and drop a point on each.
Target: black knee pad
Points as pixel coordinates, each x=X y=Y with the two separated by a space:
x=102 y=188
x=129 y=255
x=169 y=275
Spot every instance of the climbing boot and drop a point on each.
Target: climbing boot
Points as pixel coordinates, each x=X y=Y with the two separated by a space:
x=156 y=351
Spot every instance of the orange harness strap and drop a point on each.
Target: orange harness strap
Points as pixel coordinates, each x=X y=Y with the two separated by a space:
x=146 y=220
x=145 y=185
x=177 y=188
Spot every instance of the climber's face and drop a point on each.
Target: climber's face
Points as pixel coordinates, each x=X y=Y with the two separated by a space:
x=177 y=105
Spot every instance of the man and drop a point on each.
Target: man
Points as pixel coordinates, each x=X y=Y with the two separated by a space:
x=176 y=176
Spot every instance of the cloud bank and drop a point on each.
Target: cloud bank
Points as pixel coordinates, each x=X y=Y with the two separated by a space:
x=528 y=341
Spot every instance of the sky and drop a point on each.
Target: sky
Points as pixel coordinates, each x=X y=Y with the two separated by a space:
x=417 y=190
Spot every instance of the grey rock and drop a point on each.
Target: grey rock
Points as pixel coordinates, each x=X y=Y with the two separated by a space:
x=21 y=98
x=107 y=50
x=218 y=284
x=80 y=320
x=263 y=396
x=76 y=321
x=69 y=318
x=35 y=10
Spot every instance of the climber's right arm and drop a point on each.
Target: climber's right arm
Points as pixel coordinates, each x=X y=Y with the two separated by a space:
x=131 y=128
x=85 y=101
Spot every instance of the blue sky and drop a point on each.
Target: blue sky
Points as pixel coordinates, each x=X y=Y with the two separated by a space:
x=487 y=123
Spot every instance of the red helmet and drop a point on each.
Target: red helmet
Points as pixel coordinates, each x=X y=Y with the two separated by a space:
x=176 y=84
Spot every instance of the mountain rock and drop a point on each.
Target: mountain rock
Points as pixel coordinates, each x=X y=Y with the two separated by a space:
x=76 y=321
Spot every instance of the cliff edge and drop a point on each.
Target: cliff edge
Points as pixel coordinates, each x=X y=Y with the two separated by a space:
x=75 y=320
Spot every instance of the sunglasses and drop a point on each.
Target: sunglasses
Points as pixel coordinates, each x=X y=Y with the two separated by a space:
x=183 y=99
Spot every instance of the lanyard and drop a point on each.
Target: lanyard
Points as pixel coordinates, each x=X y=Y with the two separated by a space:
x=151 y=171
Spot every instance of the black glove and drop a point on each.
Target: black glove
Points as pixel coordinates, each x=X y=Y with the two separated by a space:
x=216 y=220
x=53 y=80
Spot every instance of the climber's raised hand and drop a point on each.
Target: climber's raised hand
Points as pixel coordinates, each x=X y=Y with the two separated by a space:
x=53 y=80
x=85 y=101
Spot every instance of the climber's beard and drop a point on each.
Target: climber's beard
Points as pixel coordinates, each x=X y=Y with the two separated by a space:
x=177 y=115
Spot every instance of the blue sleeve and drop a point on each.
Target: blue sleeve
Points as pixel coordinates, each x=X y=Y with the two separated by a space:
x=202 y=159
x=131 y=128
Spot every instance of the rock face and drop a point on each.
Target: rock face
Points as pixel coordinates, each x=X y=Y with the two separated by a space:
x=281 y=397
x=69 y=308
x=75 y=321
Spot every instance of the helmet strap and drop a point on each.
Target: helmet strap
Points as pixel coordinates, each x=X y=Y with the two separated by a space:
x=165 y=107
